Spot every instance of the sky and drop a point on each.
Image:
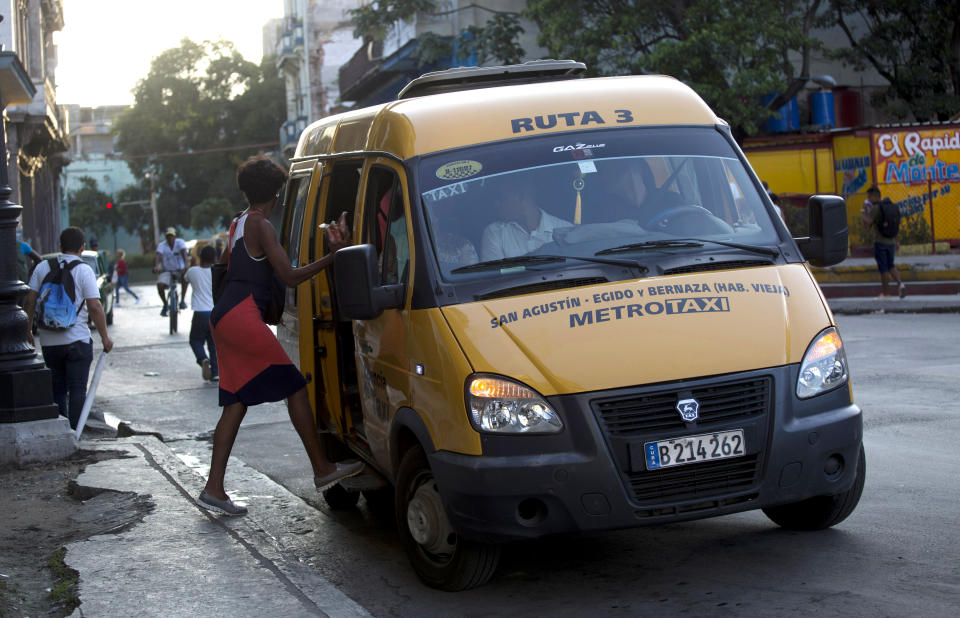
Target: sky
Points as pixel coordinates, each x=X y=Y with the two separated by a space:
x=106 y=46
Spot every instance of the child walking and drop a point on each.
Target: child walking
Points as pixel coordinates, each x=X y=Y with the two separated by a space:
x=122 y=277
x=201 y=301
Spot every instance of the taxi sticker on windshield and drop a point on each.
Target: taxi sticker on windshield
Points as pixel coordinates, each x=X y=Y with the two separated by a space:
x=458 y=170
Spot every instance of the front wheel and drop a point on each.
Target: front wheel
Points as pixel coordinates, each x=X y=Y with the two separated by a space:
x=441 y=558
x=821 y=512
x=174 y=309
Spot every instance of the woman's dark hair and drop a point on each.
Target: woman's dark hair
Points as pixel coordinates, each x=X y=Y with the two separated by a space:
x=260 y=179
x=71 y=239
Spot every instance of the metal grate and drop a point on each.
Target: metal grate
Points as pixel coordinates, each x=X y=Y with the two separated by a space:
x=703 y=480
x=638 y=415
x=697 y=268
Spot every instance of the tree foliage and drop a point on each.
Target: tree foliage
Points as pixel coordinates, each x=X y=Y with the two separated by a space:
x=213 y=212
x=496 y=40
x=88 y=209
x=200 y=111
x=732 y=52
x=914 y=45
x=135 y=215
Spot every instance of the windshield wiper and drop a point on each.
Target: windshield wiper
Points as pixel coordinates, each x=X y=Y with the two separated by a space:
x=520 y=260
x=684 y=243
x=650 y=244
x=523 y=260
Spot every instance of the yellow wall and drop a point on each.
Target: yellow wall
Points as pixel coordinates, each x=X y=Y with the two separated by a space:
x=793 y=171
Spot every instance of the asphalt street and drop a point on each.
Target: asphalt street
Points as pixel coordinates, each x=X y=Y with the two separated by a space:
x=895 y=555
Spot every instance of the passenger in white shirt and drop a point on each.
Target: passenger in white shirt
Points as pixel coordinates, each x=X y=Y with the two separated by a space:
x=201 y=301
x=524 y=226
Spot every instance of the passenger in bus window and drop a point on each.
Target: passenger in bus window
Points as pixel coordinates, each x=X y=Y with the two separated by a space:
x=523 y=226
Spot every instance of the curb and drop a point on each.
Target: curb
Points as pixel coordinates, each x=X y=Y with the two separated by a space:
x=854 y=306
x=183 y=560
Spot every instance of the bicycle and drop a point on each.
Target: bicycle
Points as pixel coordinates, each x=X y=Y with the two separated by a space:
x=173 y=299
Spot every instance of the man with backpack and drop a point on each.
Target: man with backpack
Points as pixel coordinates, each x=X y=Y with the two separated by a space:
x=882 y=220
x=63 y=293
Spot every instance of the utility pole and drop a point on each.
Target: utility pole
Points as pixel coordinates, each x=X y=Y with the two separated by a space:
x=153 y=210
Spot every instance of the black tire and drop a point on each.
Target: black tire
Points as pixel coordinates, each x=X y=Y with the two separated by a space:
x=821 y=512
x=444 y=560
x=339 y=499
x=381 y=503
x=173 y=308
x=110 y=317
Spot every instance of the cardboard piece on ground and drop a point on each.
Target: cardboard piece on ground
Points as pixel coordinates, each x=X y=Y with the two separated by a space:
x=91 y=394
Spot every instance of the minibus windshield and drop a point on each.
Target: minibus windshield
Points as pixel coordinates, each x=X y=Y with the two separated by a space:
x=590 y=194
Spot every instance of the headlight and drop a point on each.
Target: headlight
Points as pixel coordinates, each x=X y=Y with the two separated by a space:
x=824 y=365
x=498 y=405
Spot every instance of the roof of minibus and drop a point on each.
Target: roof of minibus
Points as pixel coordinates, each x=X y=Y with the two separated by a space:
x=432 y=123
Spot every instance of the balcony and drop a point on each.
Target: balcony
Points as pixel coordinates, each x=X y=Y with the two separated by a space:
x=362 y=68
x=290 y=46
x=378 y=70
x=290 y=133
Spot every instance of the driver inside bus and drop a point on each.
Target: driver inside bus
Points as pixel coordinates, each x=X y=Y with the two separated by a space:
x=630 y=193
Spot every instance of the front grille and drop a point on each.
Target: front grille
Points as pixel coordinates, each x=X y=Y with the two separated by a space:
x=638 y=415
x=699 y=268
x=694 y=481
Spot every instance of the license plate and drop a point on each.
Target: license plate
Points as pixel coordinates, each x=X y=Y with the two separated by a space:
x=694 y=449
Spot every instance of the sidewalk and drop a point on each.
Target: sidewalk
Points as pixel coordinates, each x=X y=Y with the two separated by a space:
x=933 y=285
x=182 y=560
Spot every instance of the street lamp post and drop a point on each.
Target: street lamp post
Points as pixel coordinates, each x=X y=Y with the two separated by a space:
x=30 y=426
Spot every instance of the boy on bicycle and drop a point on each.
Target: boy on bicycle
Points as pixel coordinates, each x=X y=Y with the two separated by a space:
x=171 y=256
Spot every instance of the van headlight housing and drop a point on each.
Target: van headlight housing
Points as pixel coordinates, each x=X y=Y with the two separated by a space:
x=498 y=405
x=824 y=365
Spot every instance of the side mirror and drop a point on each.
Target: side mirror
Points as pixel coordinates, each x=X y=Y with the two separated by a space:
x=827 y=243
x=356 y=277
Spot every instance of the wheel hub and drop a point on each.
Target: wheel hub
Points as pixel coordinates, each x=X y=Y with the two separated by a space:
x=427 y=521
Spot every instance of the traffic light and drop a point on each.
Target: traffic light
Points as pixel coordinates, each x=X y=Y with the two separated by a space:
x=109 y=205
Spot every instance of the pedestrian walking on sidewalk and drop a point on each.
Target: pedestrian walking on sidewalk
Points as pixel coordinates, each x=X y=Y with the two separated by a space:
x=123 y=276
x=201 y=301
x=253 y=366
x=884 y=246
x=68 y=351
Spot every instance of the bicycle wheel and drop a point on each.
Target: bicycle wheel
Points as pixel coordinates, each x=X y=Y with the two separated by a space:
x=174 y=308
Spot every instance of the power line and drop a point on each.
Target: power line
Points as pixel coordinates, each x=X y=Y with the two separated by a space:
x=194 y=152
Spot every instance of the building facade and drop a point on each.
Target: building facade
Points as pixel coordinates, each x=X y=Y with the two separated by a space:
x=378 y=70
x=36 y=136
x=92 y=152
x=316 y=38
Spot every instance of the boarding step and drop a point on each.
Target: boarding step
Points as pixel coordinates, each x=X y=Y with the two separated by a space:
x=368 y=480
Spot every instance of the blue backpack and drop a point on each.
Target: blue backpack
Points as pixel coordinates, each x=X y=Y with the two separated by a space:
x=57 y=308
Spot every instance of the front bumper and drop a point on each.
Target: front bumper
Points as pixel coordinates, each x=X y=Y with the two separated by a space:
x=592 y=475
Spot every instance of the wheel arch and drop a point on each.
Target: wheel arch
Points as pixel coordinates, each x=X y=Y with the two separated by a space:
x=406 y=431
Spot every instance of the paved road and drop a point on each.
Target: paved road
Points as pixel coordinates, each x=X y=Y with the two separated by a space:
x=895 y=555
